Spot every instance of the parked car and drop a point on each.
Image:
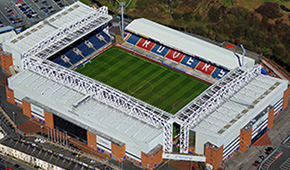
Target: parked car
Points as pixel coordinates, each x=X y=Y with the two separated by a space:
x=255 y=165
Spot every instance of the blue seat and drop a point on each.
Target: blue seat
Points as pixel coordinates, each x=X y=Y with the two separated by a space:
x=86 y=50
x=74 y=58
x=61 y=62
x=133 y=39
x=160 y=50
x=106 y=36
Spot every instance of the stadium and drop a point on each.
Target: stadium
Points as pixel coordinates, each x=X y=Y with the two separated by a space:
x=161 y=94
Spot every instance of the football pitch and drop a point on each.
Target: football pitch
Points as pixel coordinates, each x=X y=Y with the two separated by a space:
x=146 y=80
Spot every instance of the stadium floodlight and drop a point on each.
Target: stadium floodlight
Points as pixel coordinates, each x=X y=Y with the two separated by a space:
x=122 y=4
x=243 y=57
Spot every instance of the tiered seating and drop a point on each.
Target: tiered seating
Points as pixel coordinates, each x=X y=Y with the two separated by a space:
x=145 y=44
x=133 y=39
x=81 y=49
x=64 y=61
x=160 y=50
x=176 y=56
x=74 y=58
x=86 y=48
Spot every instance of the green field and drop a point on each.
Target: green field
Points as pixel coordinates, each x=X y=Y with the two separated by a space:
x=148 y=81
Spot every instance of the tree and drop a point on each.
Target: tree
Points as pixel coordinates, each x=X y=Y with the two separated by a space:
x=187 y=16
x=269 y=9
x=280 y=51
x=213 y=14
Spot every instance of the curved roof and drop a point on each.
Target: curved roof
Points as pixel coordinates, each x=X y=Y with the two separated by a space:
x=186 y=43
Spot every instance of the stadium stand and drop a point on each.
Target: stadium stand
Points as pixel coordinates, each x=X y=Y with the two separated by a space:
x=81 y=49
x=145 y=44
x=160 y=50
x=133 y=39
x=176 y=57
x=205 y=68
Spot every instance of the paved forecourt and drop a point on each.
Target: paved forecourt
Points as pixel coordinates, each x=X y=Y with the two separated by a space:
x=146 y=80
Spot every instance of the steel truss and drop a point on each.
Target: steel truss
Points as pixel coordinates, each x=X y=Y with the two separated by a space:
x=105 y=94
x=210 y=99
x=65 y=35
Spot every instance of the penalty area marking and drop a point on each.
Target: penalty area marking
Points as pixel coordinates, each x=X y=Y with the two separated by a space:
x=140 y=85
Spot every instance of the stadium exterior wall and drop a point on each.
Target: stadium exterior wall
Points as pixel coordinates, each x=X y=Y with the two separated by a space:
x=213 y=154
x=10 y=95
x=6 y=62
x=236 y=137
x=48 y=119
x=137 y=153
x=245 y=139
x=286 y=98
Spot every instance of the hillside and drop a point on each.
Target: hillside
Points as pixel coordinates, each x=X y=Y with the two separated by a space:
x=262 y=26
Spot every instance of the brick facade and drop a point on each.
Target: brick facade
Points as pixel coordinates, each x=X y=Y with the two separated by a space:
x=118 y=151
x=245 y=139
x=286 y=98
x=48 y=119
x=26 y=107
x=214 y=155
x=10 y=95
x=92 y=140
x=271 y=118
x=151 y=161
x=6 y=62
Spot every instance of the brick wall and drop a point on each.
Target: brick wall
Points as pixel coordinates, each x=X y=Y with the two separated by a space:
x=286 y=98
x=26 y=107
x=118 y=151
x=92 y=140
x=150 y=161
x=271 y=118
x=245 y=139
x=214 y=156
x=48 y=119
x=6 y=62
x=10 y=95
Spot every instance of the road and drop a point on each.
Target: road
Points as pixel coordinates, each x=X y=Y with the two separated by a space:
x=15 y=165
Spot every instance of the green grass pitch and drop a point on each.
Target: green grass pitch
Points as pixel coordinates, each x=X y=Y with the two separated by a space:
x=146 y=80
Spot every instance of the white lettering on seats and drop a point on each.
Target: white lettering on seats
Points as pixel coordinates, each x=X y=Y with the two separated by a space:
x=160 y=49
x=190 y=61
x=146 y=43
x=222 y=73
x=205 y=67
x=175 y=54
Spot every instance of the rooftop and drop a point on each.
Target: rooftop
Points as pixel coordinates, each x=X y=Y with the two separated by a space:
x=52 y=24
x=241 y=107
x=186 y=43
x=84 y=111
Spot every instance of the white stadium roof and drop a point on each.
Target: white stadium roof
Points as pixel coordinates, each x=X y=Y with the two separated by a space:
x=242 y=107
x=50 y=25
x=6 y=36
x=94 y=115
x=186 y=43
